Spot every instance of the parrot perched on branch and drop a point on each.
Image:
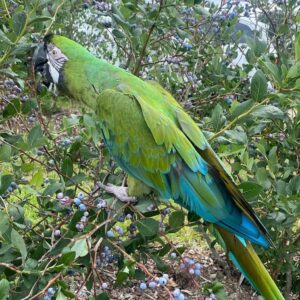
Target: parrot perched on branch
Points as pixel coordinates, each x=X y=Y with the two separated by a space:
x=156 y=142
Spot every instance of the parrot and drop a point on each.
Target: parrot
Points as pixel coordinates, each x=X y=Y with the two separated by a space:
x=151 y=137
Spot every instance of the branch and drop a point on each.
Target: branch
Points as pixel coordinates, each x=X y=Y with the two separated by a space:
x=233 y=122
x=143 y=51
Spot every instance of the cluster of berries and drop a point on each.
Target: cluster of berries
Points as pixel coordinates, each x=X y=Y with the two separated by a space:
x=13 y=186
x=49 y=294
x=162 y=281
x=192 y=267
x=106 y=257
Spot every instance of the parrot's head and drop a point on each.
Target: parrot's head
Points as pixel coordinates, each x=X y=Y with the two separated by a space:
x=51 y=55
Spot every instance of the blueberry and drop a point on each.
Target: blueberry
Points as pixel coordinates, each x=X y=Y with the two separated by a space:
x=30 y=119
x=47 y=297
x=166 y=276
x=13 y=185
x=198 y=266
x=51 y=162
x=83 y=219
x=82 y=207
x=232 y=15
x=77 y=201
x=110 y=233
x=173 y=255
x=180 y=297
x=162 y=280
x=104 y=285
x=182 y=266
x=152 y=284
x=192 y=271
x=176 y=292
x=80 y=196
x=51 y=291
x=86 y=214
x=197 y=272
x=190 y=262
x=79 y=226
x=143 y=286
x=39 y=152
x=46 y=180
x=57 y=233
x=120 y=231
x=128 y=216
x=59 y=196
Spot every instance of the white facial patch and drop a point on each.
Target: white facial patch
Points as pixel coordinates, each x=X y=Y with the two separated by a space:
x=54 y=73
x=56 y=60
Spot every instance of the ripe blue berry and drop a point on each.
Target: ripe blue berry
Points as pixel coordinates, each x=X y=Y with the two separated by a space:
x=110 y=233
x=104 y=285
x=57 y=233
x=152 y=284
x=180 y=297
x=192 y=271
x=80 y=196
x=143 y=286
x=190 y=262
x=51 y=291
x=82 y=207
x=77 y=201
x=47 y=297
x=162 y=280
x=176 y=292
x=197 y=272
x=60 y=196
x=173 y=255
x=198 y=266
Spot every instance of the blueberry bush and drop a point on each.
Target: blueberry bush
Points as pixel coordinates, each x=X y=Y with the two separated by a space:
x=234 y=66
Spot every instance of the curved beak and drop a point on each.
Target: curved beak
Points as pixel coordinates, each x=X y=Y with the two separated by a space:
x=39 y=58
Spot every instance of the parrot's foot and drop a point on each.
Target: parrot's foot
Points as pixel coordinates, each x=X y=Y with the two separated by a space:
x=120 y=192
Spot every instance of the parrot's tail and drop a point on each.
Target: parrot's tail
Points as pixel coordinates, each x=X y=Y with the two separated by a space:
x=246 y=260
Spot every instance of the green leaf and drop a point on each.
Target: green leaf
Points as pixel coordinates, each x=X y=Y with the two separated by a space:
x=39 y=19
x=294 y=71
x=258 y=86
x=67 y=167
x=4 y=289
x=297 y=47
x=240 y=108
x=80 y=247
x=121 y=277
x=11 y=109
x=37 y=179
x=18 y=241
x=76 y=179
x=268 y=112
x=148 y=227
x=6 y=180
x=52 y=188
x=5 y=153
x=4 y=38
x=216 y=117
x=60 y=296
x=161 y=265
x=102 y=296
x=4 y=223
x=176 y=219
x=35 y=137
x=250 y=189
x=67 y=258
x=19 y=22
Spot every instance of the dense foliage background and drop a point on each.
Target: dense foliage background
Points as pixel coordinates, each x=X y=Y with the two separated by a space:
x=54 y=219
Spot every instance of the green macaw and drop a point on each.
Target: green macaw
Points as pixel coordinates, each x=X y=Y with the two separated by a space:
x=156 y=142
